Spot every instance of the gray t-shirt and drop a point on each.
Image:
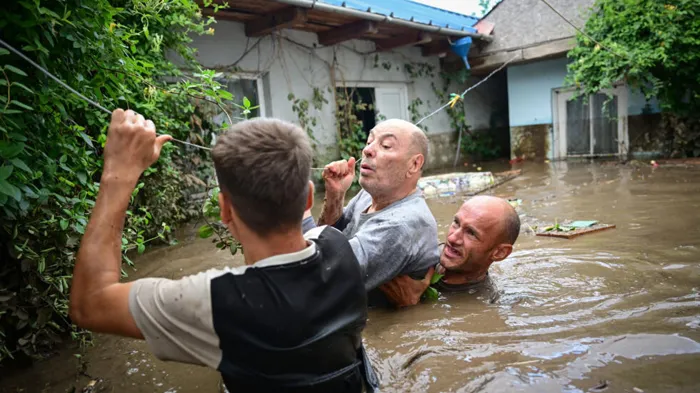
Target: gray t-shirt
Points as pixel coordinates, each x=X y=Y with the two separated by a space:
x=399 y=239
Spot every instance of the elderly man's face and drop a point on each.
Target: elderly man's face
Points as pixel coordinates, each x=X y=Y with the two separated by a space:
x=474 y=239
x=385 y=159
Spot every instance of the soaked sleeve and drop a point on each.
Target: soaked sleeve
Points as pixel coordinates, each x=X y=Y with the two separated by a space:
x=175 y=317
x=383 y=249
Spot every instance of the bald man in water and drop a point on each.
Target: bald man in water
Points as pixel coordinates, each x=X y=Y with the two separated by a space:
x=389 y=225
x=482 y=232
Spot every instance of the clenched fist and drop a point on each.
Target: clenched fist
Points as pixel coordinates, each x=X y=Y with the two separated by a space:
x=132 y=145
x=338 y=176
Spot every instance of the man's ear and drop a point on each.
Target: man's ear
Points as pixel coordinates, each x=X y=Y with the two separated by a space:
x=224 y=209
x=310 y=197
x=416 y=166
x=501 y=252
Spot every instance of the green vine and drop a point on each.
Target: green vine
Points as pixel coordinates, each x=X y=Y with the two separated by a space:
x=301 y=107
x=352 y=136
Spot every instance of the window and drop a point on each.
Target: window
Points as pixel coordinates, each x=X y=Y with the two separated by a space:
x=596 y=126
x=241 y=85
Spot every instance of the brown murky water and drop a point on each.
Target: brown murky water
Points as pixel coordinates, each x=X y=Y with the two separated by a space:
x=619 y=309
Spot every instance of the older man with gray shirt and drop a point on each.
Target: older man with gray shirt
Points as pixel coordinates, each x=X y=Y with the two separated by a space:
x=390 y=227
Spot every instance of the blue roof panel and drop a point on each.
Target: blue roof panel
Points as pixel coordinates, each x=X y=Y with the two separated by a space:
x=411 y=11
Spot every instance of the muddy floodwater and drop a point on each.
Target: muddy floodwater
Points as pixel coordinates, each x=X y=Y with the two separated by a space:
x=614 y=311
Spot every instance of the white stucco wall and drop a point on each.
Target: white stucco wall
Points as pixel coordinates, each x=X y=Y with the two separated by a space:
x=290 y=68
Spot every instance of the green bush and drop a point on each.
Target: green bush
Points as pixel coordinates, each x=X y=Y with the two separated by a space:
x=51 y=142
x=653 y=46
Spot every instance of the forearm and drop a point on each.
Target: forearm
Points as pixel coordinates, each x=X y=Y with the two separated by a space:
x=98 y=262
x=332 y=209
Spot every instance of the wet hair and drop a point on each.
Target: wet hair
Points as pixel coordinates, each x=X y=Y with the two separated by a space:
x=512 y=225
x=263 y=166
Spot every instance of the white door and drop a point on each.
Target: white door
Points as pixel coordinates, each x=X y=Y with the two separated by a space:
x=596 y=127
x=391 y=102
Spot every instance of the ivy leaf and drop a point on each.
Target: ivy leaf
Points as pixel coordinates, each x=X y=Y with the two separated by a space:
x=225 y=95
x=10 y=190
x=15 y=70
x=23 y=87
x=86 y=138
x=9 y=150
x=21 y=165
x=82 y=177
x=205 y=231
x=5 y=172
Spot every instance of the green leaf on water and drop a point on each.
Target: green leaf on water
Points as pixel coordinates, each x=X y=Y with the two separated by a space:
x=436 y=277
x=205 y=231
x=431 y=293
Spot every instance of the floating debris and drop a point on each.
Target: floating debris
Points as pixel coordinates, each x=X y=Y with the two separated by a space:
x=467 y=183
x=572 y=229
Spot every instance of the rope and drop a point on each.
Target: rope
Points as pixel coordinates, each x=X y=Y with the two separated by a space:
x=468 y=90
x=89 y=101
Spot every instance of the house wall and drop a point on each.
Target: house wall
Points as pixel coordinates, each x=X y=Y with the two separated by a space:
x=530 y=110
x=291 y=62
x=523 y=23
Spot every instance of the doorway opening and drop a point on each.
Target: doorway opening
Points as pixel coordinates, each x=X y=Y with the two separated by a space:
x=356 y=108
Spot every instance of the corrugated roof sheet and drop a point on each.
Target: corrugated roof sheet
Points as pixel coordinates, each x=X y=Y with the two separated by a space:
x=410 y=11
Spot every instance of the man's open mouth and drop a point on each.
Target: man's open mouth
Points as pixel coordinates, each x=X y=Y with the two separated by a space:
x=452 y=252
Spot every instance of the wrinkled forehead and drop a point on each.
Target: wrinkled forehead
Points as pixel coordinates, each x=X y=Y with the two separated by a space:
x=389 y=128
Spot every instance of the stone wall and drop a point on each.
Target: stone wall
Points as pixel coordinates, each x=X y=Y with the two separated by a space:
x=442 y=150
x=645 y=134
x=530 y=142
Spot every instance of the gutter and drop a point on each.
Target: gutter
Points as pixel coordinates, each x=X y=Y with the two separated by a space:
x=315 y=4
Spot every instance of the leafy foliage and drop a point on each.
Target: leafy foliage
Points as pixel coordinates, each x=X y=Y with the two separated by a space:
x=51 y=142
x=651 y=45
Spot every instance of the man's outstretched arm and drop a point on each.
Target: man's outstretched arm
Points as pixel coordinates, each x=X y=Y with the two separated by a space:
x=98 y=301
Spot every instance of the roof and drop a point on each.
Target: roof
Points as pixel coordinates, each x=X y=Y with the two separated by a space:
x=410 y=11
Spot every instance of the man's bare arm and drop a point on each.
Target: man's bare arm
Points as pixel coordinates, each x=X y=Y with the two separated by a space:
x=332 y=209
x=404 y=291
x=98 y=301
x=338 y=177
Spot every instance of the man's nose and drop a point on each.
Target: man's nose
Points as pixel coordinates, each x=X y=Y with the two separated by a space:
x=455 y=236
x=368 y=151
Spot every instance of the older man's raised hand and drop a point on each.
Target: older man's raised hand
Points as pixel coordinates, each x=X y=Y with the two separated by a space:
x=338 y=176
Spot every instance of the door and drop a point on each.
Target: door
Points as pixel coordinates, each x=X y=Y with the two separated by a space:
x=593 y=127
x=391 y=102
